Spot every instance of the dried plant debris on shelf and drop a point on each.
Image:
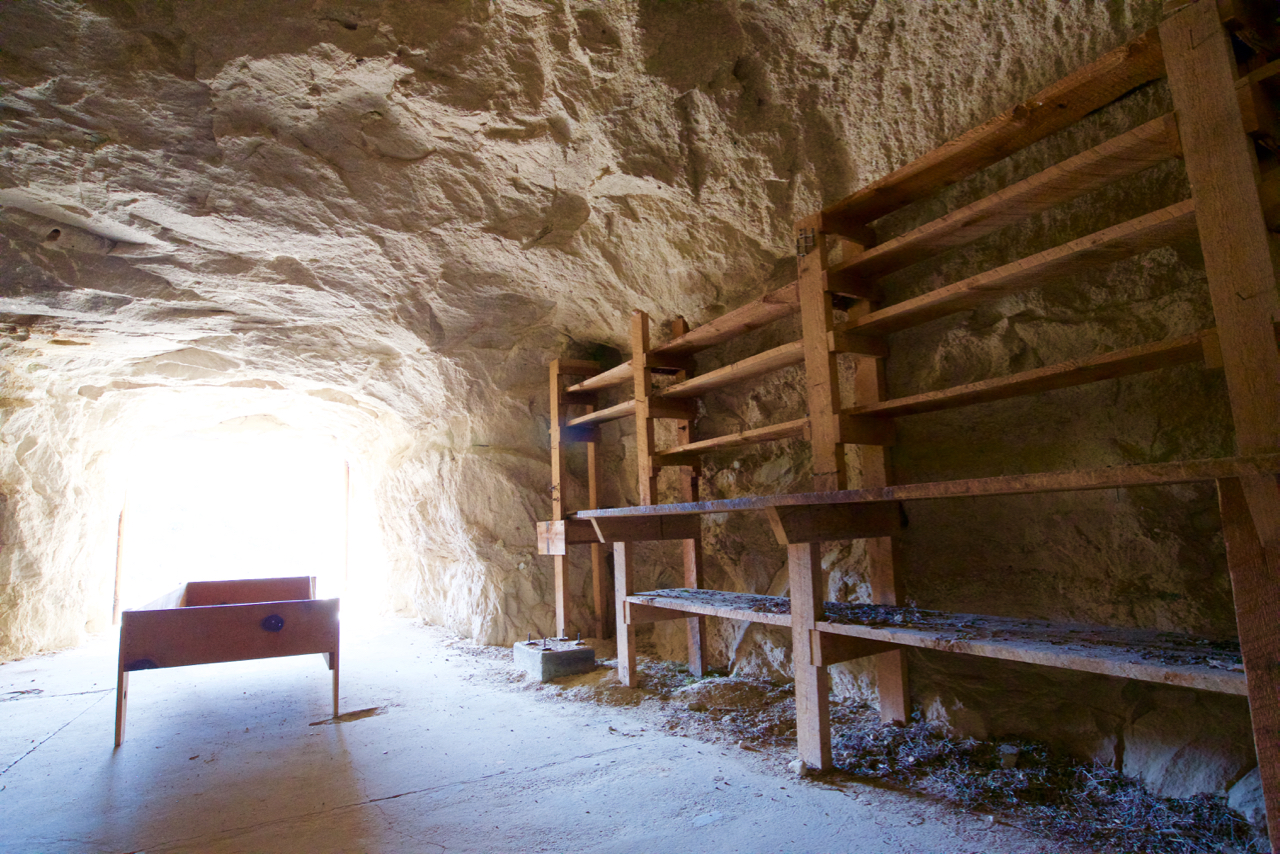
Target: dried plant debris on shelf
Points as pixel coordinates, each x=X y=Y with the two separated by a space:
x=721 y=599
x=1021 y=781
x=1140 y=644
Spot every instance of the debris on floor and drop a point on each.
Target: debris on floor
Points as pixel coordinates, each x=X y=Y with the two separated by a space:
x=1018 y=783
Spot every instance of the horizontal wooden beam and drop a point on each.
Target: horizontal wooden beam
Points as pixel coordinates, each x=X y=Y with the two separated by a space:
x=680 y=410
x=684 y=455
x=645 y=529
x=1097 y=250
x=1127 y=154
x=1111 y=477
x=774 y=305
x=1118 y=363
x=578 y=367
x=638 y=613
x=1054 y=108
x=770 y=610
x=829 y=523
x=829 y=649
x=609 y=413
x=749 y=368
x=612 y=378
x=866 y=430
x=856 y=344
x=555 y=535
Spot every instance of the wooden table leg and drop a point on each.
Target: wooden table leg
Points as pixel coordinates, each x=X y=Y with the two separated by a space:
x=813 y=682
x=122 y=700
x=622 y=584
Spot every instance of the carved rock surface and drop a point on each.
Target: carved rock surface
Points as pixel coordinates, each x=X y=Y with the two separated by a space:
x=379 y=222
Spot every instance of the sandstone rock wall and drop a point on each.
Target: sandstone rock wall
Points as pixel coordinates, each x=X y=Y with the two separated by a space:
x=380 y=221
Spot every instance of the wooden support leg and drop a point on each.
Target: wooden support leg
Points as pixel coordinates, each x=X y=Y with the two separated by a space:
x=333 y=665
x=695 y=625
x=1254 y=566
x=600 y=590
x=813 y=683
x=122 y=702
x=562 y=627
x=622 y=586
x=891 y=667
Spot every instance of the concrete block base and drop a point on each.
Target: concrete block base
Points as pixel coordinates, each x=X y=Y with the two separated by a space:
x=560 y=658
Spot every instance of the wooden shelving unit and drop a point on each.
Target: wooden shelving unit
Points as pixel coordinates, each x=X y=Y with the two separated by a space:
x=1221 y=128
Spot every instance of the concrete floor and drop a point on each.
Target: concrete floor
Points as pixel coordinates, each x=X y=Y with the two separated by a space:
x=220 y=758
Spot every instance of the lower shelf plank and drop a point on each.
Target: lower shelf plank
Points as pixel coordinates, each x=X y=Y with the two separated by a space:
x=1142 y=654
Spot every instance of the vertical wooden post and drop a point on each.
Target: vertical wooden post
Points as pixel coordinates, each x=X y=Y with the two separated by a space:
x=813 y=682
x=821 y=370
x=622 y=586
x=691 y=549
x=869 y=386
x=557 y=494
x=642 y=378
x=1222 y=167
x=115 y=598
x=333 y=665
x=122 y=692
x=599 y=575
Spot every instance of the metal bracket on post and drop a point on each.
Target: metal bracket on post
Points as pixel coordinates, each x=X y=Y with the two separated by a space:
x=806 y=239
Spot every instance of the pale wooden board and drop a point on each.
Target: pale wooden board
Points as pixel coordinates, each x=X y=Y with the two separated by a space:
x=1105 y=366
x=1101 y=249
x=1150 y=656
x=749 y=368
x=1114 y=477
x=1130 y=153
x=211 y=634
x=1054 y=108
x=249 y=590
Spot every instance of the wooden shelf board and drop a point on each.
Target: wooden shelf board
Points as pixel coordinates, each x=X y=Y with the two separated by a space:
x=1127 y=154
x=1113 y=477
x=611 y=378
x=771 y=433
x=749 y=368
x=1142 y=654
x=1145 y=655
x=773 y=610
x=1056 y=107
x=611 y=413
x=1118 y=363
x=1094 y=251
x=775 y=305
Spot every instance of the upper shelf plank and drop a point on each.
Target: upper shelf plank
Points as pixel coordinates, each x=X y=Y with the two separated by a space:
x=1061 y=104
x=1106 y=366
x=1112 y=477
x=684 y=455
x=749 y=368
x=600 y=416
x=1130 y=153
x=1094 y=251
x=611 y=378
x=775 y=305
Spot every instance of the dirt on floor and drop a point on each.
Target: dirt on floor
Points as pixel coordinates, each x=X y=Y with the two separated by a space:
x=1085 y=807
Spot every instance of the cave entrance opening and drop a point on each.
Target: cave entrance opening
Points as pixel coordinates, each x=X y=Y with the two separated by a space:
x=221 y=505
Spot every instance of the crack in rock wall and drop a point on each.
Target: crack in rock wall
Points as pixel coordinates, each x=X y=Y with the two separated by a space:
x=381 y=220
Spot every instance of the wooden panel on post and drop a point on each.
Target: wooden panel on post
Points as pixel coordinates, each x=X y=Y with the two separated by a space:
x=813 y=682
x=599 y=569
x=831 y=649
x=1222 y=167
x=622 y=588
x=825 y=523
x=554 y=536
x=691 y=549
x=642 y=380
x=821 y=369
x=870 y=386
x=636 y=529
